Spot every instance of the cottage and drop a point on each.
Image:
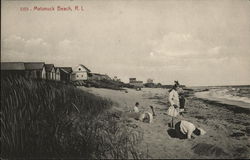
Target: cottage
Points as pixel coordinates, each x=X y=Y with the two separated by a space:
x=35 y=70
x=50 y=71
x=80 y=72
x=65 y=74
x=116 y=79
x=150 y=80
x=131 y=80
x=57 y=74
x=12 y=69
x=135 y=83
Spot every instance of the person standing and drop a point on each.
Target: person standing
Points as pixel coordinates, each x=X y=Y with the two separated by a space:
x=174 y=102
x=182 y=103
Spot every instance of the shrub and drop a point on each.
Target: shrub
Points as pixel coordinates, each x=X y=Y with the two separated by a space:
x=47 y=120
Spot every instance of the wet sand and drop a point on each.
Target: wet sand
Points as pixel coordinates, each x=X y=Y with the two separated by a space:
x=228 y=127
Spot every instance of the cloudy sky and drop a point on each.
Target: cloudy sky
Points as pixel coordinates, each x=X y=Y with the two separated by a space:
x=195 y=42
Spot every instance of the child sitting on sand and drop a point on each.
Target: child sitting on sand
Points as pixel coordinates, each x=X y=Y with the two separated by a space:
x=147 y=116
x=144 y=116
x=136 y=109
x=185 y=129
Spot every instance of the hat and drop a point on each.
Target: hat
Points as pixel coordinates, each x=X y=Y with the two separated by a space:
x=176 y=83
x=202 y=131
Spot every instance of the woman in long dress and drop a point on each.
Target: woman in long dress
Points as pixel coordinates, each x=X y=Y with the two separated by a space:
x=174 y=103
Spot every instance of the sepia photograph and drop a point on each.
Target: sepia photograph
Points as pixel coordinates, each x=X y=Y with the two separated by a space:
x=125 y=79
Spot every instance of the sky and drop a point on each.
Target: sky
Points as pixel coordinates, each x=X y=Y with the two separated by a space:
x=194 y=42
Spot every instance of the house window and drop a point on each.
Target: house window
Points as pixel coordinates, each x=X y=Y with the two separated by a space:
x=82 y=75
x=79 y=69
x=77 y=76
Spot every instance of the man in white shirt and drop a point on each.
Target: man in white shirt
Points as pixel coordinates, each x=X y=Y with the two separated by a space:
x=185 y=129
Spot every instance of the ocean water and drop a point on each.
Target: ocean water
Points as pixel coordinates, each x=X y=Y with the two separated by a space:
x=234 y=95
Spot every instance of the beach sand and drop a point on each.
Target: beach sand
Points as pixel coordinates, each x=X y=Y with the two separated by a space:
x=227 y=127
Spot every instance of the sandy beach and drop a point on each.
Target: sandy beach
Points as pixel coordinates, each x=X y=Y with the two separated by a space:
x=228 y=127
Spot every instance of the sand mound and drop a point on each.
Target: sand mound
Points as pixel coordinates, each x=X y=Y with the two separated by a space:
x=204 y=149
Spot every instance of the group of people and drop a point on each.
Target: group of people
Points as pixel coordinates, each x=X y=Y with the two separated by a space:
x=144 y=116
x=183 y=128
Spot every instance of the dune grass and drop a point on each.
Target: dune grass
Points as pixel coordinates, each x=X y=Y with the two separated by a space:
x=41 y=119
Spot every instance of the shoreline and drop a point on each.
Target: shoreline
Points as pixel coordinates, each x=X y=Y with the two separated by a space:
x=205 y=95
x=231 y=107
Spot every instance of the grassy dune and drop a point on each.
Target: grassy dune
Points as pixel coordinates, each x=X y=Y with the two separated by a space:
x=51 y=120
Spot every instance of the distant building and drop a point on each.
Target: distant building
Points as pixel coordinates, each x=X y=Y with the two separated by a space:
x=135 y=83
x=12 y=68
x=116 y=79
x=65 y=74
x=80 y=72
x=131 y=80
x=35 y=70
x=150 y=83
x=50 y=72
x=58 y=74
x=150 y=80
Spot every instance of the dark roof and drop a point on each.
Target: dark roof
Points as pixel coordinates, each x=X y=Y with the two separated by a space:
x=67 y=69
x=137 y=82
x=85 y=67
x=97 y=74
x=34 y=65
x=12 y=66
x=48 y=67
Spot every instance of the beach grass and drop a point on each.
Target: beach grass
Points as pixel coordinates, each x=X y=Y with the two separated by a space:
x=41 y=119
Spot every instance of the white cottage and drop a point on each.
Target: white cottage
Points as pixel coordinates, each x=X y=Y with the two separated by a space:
x=58 y=75
x=80 y=72
x=35 y=70
x=50 y=71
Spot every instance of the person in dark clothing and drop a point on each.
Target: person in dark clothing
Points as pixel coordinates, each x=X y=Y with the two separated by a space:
x=182 y=103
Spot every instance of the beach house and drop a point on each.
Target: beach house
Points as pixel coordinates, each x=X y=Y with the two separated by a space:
x=135 y=83
x=150 y=83
x=50 y=71
x=149 y=80
x=57 y=74
x=116 y=79
x=12 y=69
x=80 y=72
x=65 y=74
x=35 y=70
